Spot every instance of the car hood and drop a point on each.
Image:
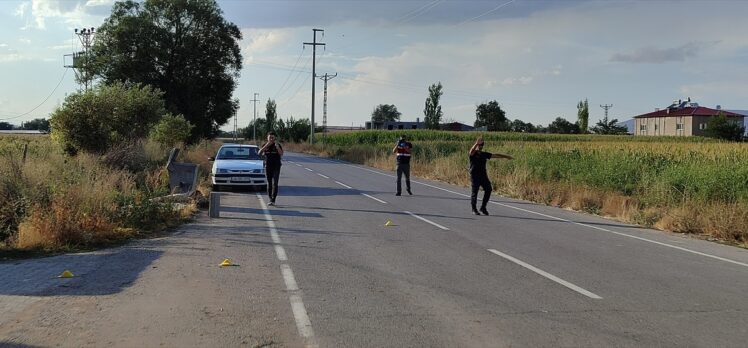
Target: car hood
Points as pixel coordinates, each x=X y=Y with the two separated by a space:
x=237 y=165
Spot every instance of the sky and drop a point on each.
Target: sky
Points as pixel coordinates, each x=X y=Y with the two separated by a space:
x=537 y=59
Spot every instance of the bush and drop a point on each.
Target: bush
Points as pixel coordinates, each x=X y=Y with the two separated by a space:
x=93 y=121
x=171 y=130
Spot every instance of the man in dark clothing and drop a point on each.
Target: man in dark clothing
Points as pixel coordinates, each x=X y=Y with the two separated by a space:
x=479 y=175
x=272 y=152
x=402 y=150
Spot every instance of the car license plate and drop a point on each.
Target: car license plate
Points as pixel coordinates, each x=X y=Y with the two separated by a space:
x=240 y=179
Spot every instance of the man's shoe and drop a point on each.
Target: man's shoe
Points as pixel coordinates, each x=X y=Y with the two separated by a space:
x=271 y=204
x=397 y=194
x=410 y=193
x=475 y=211
x=484 y=211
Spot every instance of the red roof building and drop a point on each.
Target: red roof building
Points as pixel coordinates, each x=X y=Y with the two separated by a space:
x=682 y=118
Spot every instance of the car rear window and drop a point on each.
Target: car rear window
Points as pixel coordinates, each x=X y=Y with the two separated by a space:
x=240 y=153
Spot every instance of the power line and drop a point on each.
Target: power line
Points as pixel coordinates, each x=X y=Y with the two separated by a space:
x=487 y=12
x=40 y=104
x=290 y=73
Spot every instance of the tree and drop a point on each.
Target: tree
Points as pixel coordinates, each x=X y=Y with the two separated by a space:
x=583 y=115
x=433 y=111
x=562 y=126
x=385 y=113
x=171 y=130
x=270 y=116
x=182 y=47
x=522 y=127
x=722 y=128
x=96 y=119
x=6 y=126
x=298 y=130
x=491 y=116
x=40 y=124
x=609 y=127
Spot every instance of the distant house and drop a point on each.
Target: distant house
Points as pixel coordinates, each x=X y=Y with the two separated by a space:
x=744 y=113
x=681 y=118
x=456 y=126
x=394 y=125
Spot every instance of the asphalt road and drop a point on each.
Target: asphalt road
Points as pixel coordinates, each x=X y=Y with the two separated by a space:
x=322 y=269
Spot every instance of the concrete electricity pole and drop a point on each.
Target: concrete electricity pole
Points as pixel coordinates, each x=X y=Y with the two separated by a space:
x=326 y=77
x=254 y=118
x=314 y=44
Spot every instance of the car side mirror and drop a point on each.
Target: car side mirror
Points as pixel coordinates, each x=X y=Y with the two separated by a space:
x=211 y=158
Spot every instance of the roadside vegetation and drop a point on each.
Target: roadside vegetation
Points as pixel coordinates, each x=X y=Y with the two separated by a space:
x=686 y=185
x=55 y=202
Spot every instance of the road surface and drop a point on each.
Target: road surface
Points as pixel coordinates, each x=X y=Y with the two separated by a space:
x=323 y=269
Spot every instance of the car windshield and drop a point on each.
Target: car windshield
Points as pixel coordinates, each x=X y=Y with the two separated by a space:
x=238 y=153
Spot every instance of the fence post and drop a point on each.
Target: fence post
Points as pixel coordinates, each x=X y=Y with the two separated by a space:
x=25 y=151
x=214 y=205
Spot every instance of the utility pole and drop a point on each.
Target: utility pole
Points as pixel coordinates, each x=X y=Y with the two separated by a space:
x=254 y=118
x=234 y=125
x=326 y=77
x=314 y=44
x=606 y=107
x=82 y=59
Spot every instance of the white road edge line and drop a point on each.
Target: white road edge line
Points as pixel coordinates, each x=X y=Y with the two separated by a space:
x=547 y=275
x=342 y=184
x=298 y=165
x=427 y=221
x=308 y=169
x=303 y=324
x=574 y=222
x=324 y=176
x=375 y=198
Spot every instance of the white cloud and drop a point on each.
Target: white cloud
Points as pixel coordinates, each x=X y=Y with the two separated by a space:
x=522 y=80
x=24 y=40
x=264 y=40
x=71 y=12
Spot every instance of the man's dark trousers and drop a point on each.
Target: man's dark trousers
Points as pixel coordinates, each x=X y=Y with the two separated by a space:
x=403 y=168
x=479 y=181
x=272 y=173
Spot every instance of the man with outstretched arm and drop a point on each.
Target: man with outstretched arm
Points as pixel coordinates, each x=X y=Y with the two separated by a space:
x=273 y=152
x=402 y=150
x=479 y=175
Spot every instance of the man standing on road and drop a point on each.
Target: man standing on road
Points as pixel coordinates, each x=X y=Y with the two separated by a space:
x=479 y=176
x=272 y=152
x=402 y=150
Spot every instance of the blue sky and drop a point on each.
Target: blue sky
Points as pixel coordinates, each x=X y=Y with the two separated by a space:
x=536 y=58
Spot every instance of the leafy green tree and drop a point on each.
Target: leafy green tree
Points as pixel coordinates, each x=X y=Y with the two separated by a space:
x=606 y=126
x=561 y=126
x=522 y=127
x=583 y=115
x=96 y=119
x=385 y=113
x=171 y=130
x=183 y=47
x=271 y=115
x=433 y=111
x=298 y=130
x=491 y=116
x=41 y=124
x=721 y=127
x=6 y=126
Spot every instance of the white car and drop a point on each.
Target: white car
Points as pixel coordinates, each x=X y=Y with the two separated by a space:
x=238 y=165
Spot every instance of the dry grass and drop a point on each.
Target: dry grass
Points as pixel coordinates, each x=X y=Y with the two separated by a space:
x=56 y=202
